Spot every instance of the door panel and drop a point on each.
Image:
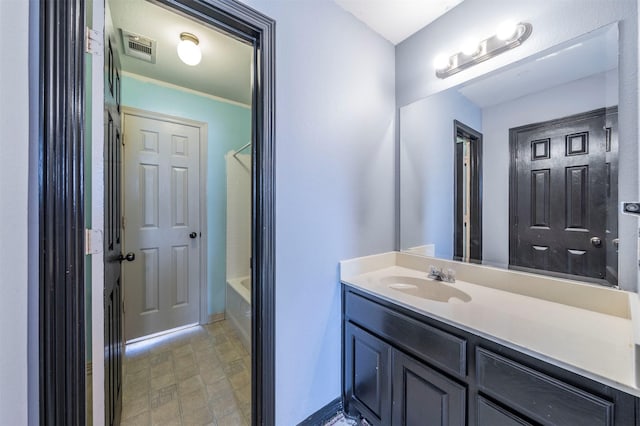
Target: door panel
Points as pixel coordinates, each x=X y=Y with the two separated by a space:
x=559 y=195
x=367 y=375
x=424 y=397
x=162 y=209
x=113 y=342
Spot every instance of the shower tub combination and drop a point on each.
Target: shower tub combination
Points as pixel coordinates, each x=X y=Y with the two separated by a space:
x=239 y=307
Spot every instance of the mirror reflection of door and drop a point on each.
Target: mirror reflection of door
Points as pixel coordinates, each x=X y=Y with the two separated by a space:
x=468 y=194
x=563 y=184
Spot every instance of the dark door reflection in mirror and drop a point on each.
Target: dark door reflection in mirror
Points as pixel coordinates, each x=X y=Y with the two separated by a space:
x=559 y=193
x=565 y=189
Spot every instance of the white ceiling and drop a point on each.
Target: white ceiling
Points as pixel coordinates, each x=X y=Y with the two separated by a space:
x=396 y=20
x=225 y=70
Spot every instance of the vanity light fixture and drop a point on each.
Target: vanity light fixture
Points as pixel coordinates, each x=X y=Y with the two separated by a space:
x=509 y=35
x=188 y=49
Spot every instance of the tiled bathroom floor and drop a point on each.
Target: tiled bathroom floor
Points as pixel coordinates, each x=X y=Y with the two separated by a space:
x=198 y=376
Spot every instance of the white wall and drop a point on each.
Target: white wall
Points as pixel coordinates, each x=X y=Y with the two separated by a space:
x=579 y=96
x=335 y=184
x=238 y=174
x=426 y=168
x=14 y=189
x=553 y=22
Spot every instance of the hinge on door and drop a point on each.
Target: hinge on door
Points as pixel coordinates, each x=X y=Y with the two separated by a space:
x=93 y=241
x=122 y=222
x=93 y=42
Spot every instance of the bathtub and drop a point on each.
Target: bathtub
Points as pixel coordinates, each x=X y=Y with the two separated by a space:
x=238 y=308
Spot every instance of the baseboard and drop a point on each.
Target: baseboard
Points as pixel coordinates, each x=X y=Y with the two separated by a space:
x=323 y=414
x=215 y=317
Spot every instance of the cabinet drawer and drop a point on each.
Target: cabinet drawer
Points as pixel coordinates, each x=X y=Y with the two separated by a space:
x=489 y=414
x=432 y=345
x=538 y=396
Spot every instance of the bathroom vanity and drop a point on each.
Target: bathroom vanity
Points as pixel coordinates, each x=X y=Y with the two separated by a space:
x=496 y=347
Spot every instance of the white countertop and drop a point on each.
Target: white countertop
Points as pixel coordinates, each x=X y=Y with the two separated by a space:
x=574 y=333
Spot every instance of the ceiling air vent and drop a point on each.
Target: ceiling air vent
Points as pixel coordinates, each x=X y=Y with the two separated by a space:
x=138 y=46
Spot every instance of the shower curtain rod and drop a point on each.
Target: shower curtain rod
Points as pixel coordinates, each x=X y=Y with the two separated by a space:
x=242 y=149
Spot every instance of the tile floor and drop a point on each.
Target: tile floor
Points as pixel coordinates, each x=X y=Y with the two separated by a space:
x=198 y=376
x=341 y=420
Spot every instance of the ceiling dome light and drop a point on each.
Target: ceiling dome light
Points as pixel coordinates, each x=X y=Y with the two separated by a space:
x=507 y=30
x=188 y=49
x=441 y=62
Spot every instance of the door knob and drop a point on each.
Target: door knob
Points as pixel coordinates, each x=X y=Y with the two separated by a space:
x=193 y=235
x=596 y=242
x=130 y=257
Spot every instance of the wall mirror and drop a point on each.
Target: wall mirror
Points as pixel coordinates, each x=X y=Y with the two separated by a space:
x=519 y=168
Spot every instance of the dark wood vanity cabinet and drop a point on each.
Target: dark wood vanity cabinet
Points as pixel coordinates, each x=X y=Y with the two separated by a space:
x=424 y=397
x=402 y=368
x=421 y=396
x=369 y=370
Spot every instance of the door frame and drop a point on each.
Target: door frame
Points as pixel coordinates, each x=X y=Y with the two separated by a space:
x=461 y=129
x=61 y=233
x=61 y=131
x=203 y=308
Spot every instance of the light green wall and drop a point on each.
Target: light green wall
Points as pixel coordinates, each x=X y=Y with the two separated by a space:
x=229 y=129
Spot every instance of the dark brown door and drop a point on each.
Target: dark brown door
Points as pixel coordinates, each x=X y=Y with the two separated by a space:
x=559 y=192
x=113 y=343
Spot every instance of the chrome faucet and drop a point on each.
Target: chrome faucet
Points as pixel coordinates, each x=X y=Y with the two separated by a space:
x=439 y=274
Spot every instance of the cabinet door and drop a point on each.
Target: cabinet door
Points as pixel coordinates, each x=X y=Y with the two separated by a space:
x=367 y=375
x=424 y=397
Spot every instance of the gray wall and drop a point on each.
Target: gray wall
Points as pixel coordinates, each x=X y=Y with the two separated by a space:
x=14 y=189
x=553 y=22
x=426 y=168
x=335 y=185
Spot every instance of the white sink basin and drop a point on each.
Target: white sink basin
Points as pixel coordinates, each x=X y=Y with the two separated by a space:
x=426 y=288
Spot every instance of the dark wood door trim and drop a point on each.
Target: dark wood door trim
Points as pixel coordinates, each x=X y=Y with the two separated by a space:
x=61 y=212
x=245 y=23
x=462 y=130
x=61 y=201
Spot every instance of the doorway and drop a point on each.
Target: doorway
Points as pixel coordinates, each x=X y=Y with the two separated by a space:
x=164 y=221
x=563 y=196
x=62 y=389
x=178 y=95
x=467 y=172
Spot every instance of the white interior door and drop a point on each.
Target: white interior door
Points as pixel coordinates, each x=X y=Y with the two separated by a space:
x=162 y=225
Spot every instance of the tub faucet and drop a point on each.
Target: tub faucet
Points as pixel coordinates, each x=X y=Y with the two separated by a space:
x=439 y=274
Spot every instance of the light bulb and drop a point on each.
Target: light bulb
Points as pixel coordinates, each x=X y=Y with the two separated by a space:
x=469 y=47
x=188 y=50
x=507 y=30
x=441 y=62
